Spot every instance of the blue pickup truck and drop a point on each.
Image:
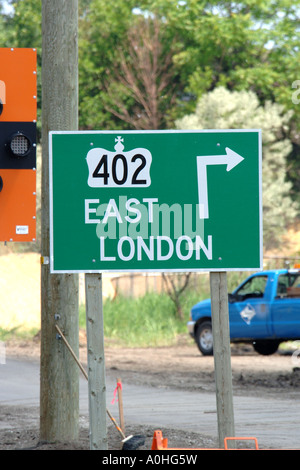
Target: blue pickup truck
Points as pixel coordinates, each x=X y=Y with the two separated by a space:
x=264 y=310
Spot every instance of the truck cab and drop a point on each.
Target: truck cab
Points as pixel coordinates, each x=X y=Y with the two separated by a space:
x=264 y=310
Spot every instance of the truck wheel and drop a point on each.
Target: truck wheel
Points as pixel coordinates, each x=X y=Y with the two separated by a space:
x=204 y=338
x=266 y=348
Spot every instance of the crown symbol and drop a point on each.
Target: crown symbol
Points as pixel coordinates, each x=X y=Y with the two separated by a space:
x=119 y=146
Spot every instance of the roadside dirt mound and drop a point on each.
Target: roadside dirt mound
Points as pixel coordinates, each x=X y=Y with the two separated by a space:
x=26 y=437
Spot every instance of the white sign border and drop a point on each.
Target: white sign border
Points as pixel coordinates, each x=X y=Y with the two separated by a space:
x=170 y=131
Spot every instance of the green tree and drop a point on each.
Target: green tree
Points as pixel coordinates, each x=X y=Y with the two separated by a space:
x=222 y=109
x=238 y=44
x=251 y=45
x=23 y=26
x=103 y=29
x=145 y=76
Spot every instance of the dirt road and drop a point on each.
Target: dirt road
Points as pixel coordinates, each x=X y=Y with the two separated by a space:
x=170 y=372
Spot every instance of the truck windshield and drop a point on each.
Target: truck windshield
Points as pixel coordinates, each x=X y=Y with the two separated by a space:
x=288 y=285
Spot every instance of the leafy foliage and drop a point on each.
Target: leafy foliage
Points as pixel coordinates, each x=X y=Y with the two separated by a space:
x=145 y=77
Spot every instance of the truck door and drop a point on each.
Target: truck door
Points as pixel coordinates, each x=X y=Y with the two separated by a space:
x=286 y=306
x=249 y=309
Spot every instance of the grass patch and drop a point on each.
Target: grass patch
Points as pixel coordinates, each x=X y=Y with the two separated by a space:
x=144 y=321
x=149 y=320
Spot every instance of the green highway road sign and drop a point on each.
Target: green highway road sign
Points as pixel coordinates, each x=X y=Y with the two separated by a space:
x=155 y=200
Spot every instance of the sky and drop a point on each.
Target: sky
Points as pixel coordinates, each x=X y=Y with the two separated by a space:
x=7 y=8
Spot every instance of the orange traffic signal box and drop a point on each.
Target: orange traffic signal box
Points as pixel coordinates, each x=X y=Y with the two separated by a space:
x=18 y=105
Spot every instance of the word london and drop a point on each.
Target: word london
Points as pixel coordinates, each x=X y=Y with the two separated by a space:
x=160 y=248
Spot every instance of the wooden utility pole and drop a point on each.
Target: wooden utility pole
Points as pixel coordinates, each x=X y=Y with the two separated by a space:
x=222 y=355
x=59 y=385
